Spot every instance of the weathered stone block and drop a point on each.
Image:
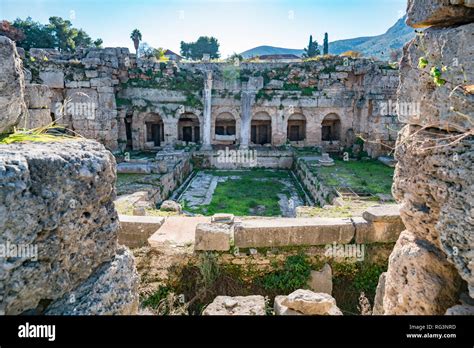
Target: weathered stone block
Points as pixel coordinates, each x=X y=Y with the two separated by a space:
x=287 y=232
x=212 y=236
x=53 y=79
x=379 y=294
x=321 y=281
x=12 y=85
x=383 y=213
x=281 y=309
x=135 y=230
x=311 y=303
x=111 y=290
x=223 y=218
x=35 y=118
x=424 y=13
x=238 y=305
x=37 y=96
x=419 y=279
x=46 y=201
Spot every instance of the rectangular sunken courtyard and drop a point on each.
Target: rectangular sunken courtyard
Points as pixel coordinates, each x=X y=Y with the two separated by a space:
x=255 y=192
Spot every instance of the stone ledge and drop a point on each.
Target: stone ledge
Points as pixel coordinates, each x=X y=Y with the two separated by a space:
x=384 y=213
x=213 y=236
x=293 y=232
x=135 y=230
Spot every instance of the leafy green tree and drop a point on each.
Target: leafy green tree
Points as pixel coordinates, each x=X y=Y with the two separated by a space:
x=58 y=33
x=136 y=37
x=35 y=34
x=203 y=45
x=312 y=50
x=326 y=44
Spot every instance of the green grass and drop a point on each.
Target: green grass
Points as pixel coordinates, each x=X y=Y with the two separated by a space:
x=241 y=195
x=365 y=175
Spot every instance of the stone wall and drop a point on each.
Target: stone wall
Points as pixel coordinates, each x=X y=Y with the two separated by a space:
x=108 y=95
x=432 y=263
x=321 y=194
x=58 y=232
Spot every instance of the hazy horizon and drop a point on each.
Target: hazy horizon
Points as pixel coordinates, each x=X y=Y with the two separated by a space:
x=238 y=25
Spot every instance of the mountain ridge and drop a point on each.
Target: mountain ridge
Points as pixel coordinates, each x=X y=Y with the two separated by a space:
x=378 y=46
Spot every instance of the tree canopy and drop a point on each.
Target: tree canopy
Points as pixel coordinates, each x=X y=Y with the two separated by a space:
x=203 y=45
x=312 y=50
x=58 y=34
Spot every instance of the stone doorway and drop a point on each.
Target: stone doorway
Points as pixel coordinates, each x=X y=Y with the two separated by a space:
x=189 y=128
x=154 y=131
x=331 y=128
x=296 y=130
x=261 y=129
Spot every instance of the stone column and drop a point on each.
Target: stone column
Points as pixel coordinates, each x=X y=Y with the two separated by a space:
x=206 y=127
x=247 y=100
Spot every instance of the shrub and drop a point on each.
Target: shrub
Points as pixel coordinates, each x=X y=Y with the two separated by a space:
x=293 y=276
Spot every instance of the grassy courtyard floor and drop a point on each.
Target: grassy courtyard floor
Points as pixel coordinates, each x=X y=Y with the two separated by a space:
x=253 y=192
x=369 y=176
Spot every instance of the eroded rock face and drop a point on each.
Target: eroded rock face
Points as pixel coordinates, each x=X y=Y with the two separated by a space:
x=58 y=198
x=419 y=280
x=12 y=85
x=423 y=13
x=449 y=106
x=434 y=183
x=105 y=292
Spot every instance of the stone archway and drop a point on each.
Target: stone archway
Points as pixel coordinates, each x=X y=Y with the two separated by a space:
x=331 y=128
x=296 y=128
x=154 y=130
x=261 y=128
x=225 y=128
x=189 y=128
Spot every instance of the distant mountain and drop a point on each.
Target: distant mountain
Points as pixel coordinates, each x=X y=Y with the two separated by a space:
x=264 y=50
x=378 y=46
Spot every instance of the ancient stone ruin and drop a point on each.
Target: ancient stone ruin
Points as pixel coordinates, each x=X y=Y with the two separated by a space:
x=141 y=201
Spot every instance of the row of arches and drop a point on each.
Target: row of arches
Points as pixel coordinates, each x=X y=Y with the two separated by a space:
x=225 y=125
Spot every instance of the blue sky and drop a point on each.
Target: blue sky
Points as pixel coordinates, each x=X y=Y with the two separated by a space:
x=237 y=24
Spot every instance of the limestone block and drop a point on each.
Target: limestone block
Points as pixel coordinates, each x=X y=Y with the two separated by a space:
x=101 y=82
x=170 y=205
x=111 y=290
x=35 y=118
x=37 y=96
x=280 y=309
x=12 y=85
x=419 y=279
x=46 y=201
x=423 y=13
x=53 y=79
x=311 y=303
x=135 y=230
x=287 y=232
x=379 y=294
x=212 y=236
x=383 y=213
x=133 y=168
x=450 y=106
x=321 y=281
x=91 y=73
x=238 y=305
x=223 y=218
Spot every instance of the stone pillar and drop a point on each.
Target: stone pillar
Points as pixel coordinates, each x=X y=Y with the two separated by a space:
x=248 y=97
x=206 y=127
